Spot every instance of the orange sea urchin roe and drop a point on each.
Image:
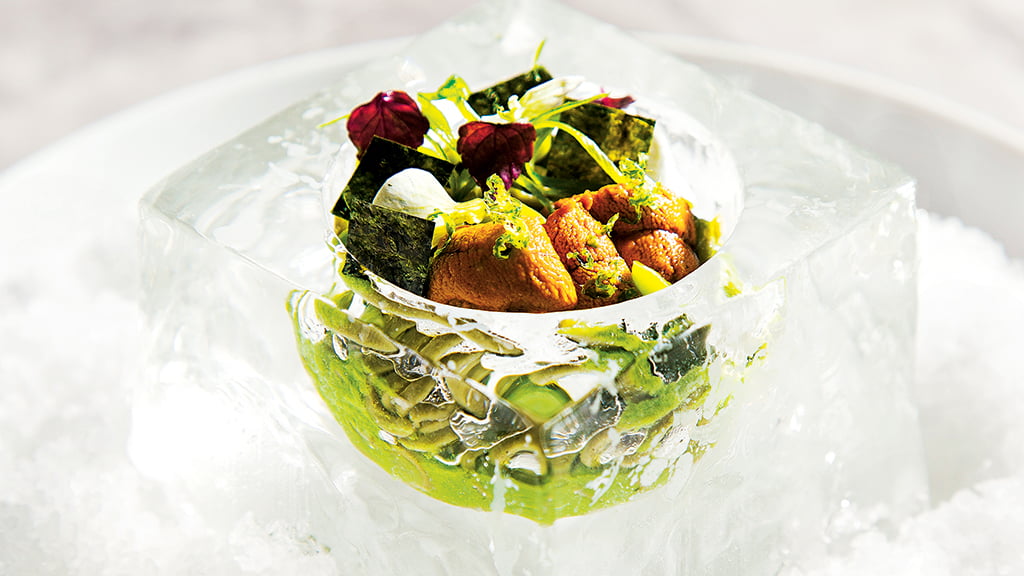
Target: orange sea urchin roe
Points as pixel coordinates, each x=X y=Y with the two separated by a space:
x=656 y=209
x=665 y=252
x=588 y=253
x=466 y=272
x=572 y=259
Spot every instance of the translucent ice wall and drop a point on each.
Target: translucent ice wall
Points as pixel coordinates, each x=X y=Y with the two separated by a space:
x=818 y=440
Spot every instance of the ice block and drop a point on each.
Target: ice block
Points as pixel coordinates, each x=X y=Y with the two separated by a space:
x=748 y=418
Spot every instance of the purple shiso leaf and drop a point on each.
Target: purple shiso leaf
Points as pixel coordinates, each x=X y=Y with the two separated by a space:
x=500 y=149
x=618 y=103
x=393 y=115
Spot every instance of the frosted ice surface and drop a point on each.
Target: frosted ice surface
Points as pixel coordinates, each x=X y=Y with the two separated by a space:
x=966 y=403
x=72 y=504
x=822 y=248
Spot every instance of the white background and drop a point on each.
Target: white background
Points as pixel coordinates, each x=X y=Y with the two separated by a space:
x=66 y=63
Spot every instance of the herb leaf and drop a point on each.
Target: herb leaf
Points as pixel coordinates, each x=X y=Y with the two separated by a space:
x=393 y=115
x=501 y=149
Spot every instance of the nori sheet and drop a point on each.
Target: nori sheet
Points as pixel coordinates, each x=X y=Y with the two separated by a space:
x=489 y=100
x=391 y=244
x=619 y=134
x=382 y=160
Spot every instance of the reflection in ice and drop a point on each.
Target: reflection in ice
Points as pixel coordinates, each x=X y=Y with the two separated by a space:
x=570 y=431
x=500 y=423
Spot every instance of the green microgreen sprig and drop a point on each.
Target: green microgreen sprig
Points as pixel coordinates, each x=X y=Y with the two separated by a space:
x=604 y=284
x=336 y=120
x=536 y=54
x=610 y=224
x=605 y=280
x=503 y=208
x=642 y=189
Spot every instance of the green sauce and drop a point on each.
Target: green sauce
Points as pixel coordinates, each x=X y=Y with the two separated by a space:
x=419 y=447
